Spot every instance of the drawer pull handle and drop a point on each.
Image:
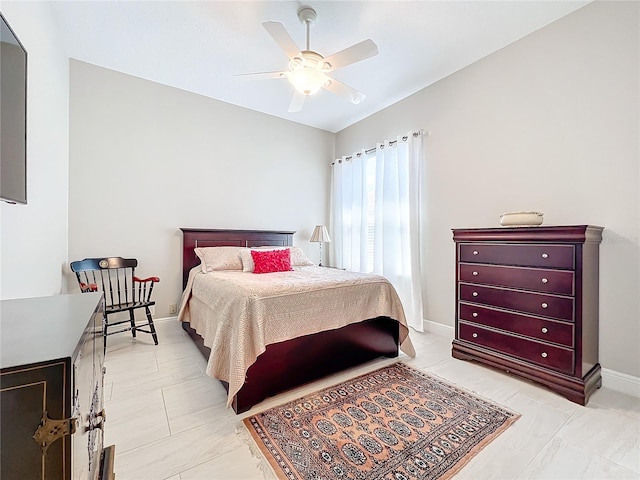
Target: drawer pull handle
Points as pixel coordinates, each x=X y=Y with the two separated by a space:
x=475 y=274
x=544 y=305
x=545 y=255
x=475 y=294
x=544 y=330
x=475 y=335
x=474 y=314
x=544 y=280
x=543 y=354
x=475 y=252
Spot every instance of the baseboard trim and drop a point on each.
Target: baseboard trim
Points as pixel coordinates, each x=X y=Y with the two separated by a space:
x=620 y=382
x=165 y=319
x=438 y=329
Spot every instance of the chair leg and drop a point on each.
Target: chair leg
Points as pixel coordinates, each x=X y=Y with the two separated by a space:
x=151 y=326
x=105 y=324
x=133 y=323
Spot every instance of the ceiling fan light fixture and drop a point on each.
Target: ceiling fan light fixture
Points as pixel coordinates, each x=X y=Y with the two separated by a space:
x=296 y=63
x=308 y=70
x=307 y=80
x=306 y=74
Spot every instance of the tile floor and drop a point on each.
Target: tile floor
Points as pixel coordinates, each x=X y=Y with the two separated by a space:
x=169 y=421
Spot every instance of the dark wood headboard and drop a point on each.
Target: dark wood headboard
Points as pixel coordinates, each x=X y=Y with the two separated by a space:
x=202 y=237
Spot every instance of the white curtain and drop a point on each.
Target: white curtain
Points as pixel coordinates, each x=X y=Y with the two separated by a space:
x=375 y=216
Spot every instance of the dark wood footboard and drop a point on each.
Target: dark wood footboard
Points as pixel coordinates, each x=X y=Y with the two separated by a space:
x=301 y=360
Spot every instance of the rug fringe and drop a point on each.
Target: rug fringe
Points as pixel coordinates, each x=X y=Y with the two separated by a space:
x=478 y=448
x=263 y=464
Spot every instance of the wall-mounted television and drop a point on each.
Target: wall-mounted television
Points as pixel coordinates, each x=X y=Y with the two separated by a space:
x=13 y=116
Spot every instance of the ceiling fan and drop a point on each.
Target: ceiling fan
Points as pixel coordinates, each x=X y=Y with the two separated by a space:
x=308 y=69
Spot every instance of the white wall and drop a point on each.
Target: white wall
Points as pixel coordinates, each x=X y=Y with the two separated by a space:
x=33 y=241
x=549 y=123
x=147 y=159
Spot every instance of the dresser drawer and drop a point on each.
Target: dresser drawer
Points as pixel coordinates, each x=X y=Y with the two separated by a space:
x=552 y=281
x=541 y=255
x=527 y=302
x=540 y=328
x=539 y=353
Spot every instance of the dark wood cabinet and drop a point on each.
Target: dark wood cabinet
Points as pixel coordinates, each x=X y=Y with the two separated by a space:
x=527 y=303
x=51 y=399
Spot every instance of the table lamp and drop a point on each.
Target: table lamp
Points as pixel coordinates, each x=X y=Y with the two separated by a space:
x=320 y=235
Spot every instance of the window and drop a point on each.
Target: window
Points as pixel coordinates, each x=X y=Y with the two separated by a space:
x=375 y=216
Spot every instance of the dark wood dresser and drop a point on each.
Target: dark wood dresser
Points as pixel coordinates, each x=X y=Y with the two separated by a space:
x=51 y=378
x=527 y=303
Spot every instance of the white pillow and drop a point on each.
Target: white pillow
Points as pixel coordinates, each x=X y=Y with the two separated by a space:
x=298 y=257
x=219 y=258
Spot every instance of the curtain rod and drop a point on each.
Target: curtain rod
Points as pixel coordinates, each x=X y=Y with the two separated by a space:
x=392 y=142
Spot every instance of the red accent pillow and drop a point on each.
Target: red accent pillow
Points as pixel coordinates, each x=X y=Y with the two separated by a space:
x=268 y=261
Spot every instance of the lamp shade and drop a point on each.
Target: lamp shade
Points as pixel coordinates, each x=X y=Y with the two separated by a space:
x=320 y=234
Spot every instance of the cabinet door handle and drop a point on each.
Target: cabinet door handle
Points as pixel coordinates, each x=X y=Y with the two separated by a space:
x=544 y=280
x=475 y=335
x=543 y=354
x=475 y=294
x=544 y=305
x=545 y=255
x=475 y=274
x=475 y=252
x=544 y=330
x=50 y=430
x=474 y=314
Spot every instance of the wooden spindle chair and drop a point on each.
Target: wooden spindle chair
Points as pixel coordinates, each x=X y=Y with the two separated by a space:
x=123 y=291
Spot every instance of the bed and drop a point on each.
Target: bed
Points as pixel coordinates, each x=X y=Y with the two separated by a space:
x=276 y=366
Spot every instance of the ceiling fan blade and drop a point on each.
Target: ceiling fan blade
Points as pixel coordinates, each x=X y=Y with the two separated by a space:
x=344 y=91
x=260 y=75
x=282 y=38
x=297 y=101
x=352 y=54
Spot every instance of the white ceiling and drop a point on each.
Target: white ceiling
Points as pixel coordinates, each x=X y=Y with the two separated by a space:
x=199 y=46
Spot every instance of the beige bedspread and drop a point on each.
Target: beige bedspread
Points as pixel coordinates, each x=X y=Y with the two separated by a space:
x=239 y=313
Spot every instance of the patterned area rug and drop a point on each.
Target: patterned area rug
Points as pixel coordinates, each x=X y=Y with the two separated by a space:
x=394 y=423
